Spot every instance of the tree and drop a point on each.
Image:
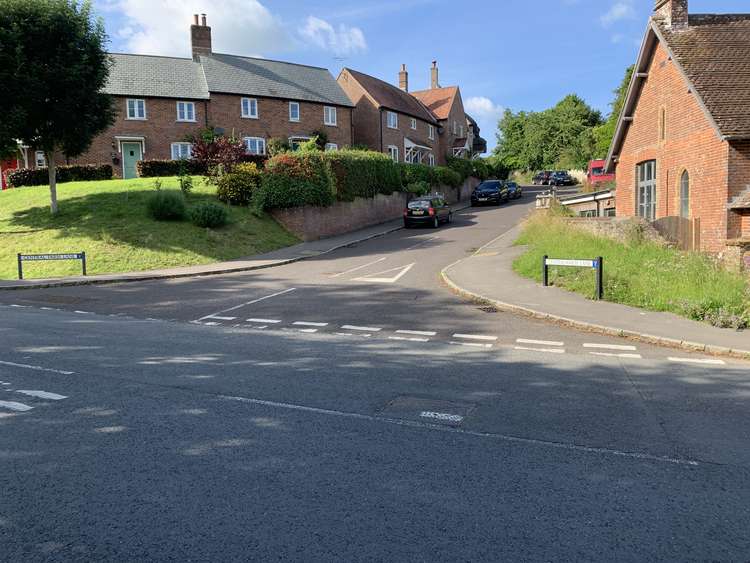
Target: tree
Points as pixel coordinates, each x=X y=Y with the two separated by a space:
x=218 y=154
x=53 y=68
x=605 y=133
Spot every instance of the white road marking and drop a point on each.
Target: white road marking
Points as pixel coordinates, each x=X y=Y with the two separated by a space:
x=264 y=321
x=442 y=416
x=698 y=361
x=360 y=334
x=306 y=323
x=417 y=332
x=540 y=342
x=475 y=337
x=42 y=394
x=609 y=346
x=222 y=318
x=402 y=271
x=305 y=330
x=362 y=328
x=363 y=266
x=548 y=350
x=420 y=243
x=83 y=312
x=613 y=355
x=253 y=302
x=211 y=324
x=408 y=339
x=472 y=344
x=14 y=406
x=36 y=368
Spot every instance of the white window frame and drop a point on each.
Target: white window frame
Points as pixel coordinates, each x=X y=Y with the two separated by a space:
x=179 y=155
x=392 y=123
x=40 y=159
x=260 y=145
x=431 y=132
x=185 y=106
x=431 y=159
x=135 y=117
x=455 y=127
x=328 y=112
x=291 y=118
x=251 y=103
x=332 y=147
x=413 y=124
x=393 y=152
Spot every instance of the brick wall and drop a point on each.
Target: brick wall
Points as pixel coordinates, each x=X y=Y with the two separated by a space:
x=365 y=116
x=738 y=221
x=397 y=137
x=447 y=139
x=691 y=144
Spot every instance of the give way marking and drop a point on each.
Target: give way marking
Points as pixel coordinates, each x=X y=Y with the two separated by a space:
x=377 y=277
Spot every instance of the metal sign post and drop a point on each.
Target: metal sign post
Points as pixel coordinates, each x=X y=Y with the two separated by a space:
x=596 y=264
x=44 y=257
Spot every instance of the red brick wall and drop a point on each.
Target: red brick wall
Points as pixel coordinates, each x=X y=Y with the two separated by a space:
x=398 y=136
x=739 y=181
x=447 y=139
x=691 y=144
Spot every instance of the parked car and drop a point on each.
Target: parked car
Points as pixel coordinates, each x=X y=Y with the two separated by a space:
x=541 y=178
x=490 y=192
x=428 y=210
x=514 y=190
x=597 y=175
x=561 y=178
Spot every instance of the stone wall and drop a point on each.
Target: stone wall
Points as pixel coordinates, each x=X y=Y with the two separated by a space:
x=620 y=229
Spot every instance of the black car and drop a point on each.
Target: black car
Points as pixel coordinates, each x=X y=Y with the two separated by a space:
x=490 y=192
x=428 y=210
x=541 y=178
x=514 y=190
x=561 y=179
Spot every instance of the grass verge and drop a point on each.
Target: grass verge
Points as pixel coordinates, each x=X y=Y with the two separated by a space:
x=638 y=273
x=109 y=220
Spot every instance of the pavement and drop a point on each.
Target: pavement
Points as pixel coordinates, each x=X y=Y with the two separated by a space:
x=488 y=275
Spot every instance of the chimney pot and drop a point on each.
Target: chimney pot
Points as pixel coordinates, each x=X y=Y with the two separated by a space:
x=203 y=20
x=435 y=82
x=674 y=13
x=195 y=19
x=403 y=79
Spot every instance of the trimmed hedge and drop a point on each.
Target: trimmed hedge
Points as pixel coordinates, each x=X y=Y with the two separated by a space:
x=237 y=187
x=413 y=173
x=159 y=168
x=463 y=166
x=363 y=174
x=480 y=169
x=294 y=180
x=447 y=177
x=64 y=173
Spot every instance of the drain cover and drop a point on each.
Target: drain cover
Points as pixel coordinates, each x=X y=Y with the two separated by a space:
x=422 y=409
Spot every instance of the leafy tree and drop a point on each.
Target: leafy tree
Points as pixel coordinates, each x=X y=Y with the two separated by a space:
x=53 y=67
x=604 y=134
x=217 y=154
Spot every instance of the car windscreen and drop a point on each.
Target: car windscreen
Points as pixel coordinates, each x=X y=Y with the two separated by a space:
x=488 y=187
x=419 y=204
x=597 y=171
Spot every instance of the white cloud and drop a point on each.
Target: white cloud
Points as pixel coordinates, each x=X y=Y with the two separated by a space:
x=343 y=40
x=163 y=27
x=619 y=11
x=482 y=108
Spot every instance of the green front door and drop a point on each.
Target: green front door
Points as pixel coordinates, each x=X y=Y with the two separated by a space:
x=131 y=154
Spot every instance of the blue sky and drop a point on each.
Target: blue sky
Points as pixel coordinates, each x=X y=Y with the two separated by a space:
x=518 y=54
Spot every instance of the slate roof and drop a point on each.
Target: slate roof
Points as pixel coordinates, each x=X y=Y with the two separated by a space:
x=159 y=77
x=388 y=96
x=438 y=100
x=714 y=52
x=173 y=77
x=250 y=76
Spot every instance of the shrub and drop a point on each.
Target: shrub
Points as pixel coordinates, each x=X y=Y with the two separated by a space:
x=157 y=168
x=463 y=166
x=186 y=185
x=296 y=179
x=480 y=169
x=411 y=173
x=209 y=215
x=277 y=145
x=311 y=145
x=448 y=177
x=418 y=188
x=167 y=206
x=72 y=173
x=217 y=154
x=237 y=187
x=363 y=174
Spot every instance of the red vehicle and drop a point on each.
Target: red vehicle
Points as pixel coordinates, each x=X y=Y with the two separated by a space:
x=6 y=165
x=597 y=175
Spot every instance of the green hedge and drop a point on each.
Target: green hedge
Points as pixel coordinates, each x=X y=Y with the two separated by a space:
x=65 y=173
x=160 y=168
x=463 y=166
x=294 y=180
x=363 y=174
x=447 y=177
x=413 y=173
x=237 y=187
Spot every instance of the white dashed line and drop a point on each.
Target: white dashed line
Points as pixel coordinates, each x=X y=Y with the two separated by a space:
x=42 y=394
x=442 y=416
x=475 y=337
x=222 y=318
x=614 y=355
x=363 y=266
x=304 y=330
x=14 y=406
x=211 y=324
x=471 y=344
x=83 y=312
x=306 y=323
x=417 y=332
x=361 y=328
x=698 y=361
x=253 y=302
x=36 y=368
x=359 y=334
x=539 y=342
x=609 y=346
x=264 y=321
x=408 y=339
x=546 y=350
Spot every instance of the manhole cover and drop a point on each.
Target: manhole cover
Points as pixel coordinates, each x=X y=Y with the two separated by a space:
x=433 y=411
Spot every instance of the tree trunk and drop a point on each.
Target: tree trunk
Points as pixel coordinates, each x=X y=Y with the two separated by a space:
x=52 y=169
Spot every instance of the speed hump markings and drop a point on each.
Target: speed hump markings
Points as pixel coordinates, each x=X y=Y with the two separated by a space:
x=377 y=277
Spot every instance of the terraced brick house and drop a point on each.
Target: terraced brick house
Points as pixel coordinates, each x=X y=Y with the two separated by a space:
x=682 y=145
x=161 y=101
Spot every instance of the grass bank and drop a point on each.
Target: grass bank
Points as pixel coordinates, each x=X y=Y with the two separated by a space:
x=638 y=273
x=109 y=221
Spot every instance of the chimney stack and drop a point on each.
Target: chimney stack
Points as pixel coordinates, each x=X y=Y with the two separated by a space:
x=200 y=37
x=674 y=13
x=434 y=72
x=403 y=79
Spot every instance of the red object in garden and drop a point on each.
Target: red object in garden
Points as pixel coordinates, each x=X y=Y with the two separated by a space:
x=597 y=173
x=6 y=165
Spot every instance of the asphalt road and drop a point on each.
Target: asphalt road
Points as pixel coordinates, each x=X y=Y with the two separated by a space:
x=376 y=417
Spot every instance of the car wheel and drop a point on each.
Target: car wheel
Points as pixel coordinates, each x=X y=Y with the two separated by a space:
x=450 y=218
x=407 y=225
x=436 y=223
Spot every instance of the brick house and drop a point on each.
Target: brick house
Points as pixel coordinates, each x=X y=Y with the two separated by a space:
x=682 y=145
x=161 y=101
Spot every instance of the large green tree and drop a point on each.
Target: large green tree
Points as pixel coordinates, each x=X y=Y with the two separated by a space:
x=53 y=67
x=604 y=134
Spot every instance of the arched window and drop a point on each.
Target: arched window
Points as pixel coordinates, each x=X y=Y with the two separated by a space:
x=685 y=194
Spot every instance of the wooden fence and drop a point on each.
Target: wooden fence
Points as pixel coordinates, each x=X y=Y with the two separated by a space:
x=684 y=233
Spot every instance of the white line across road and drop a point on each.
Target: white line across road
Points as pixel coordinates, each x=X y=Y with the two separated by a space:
x=362 y=267
x=442 y=416
x=361 y=328
x=253 y=302
x=14 y=406
x=374 y=278
x=417 y=332
x=698 y=361
x=36 y=368
x=616 y=355
x=408 y=339
x=623 y=347
x=308 y=323
x=475 y=337
x=471 y=344
x=222 y=318
x=42 y=394
x=264 y=321
x=539 y=342
x=546 y=350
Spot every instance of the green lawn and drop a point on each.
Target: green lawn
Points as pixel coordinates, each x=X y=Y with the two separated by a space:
x=108 y=220
x=639 y=273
